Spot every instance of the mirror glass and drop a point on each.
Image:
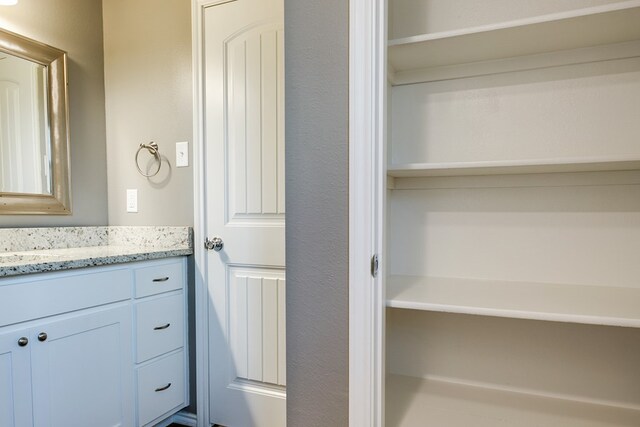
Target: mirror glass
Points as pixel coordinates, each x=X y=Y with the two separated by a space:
x=34 y=139
x=25 y=149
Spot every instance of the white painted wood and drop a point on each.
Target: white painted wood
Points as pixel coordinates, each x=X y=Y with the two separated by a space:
x=48 y=294
x=185 y=419
x=270 y=330
x=280 y=122
x=269 y=120
x=413 y=17
x=153 y=336
x=201 y=304
x=411 y=401
x=254 y=328
x=518 y=63
x=282 y=333
x=560 y=114
x=153 y=402
x=513 y=200
x=238 y=325
x=546 y=233
x=606 y=24
x=502 y=167
x=252 y=107
x=589 y=363
x=15 y=380
x=82 y=373
x=243 y=121
x=256 y=325
x=367 y=163
x=599 y=305
x=159 y=276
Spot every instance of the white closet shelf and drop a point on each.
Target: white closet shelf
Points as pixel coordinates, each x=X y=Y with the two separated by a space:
x=503 y=167
x=410 y=401
x=598 y=305
x=582 y=28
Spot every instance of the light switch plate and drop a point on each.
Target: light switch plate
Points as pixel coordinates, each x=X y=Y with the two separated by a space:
x=182 y=154
x=132 y=200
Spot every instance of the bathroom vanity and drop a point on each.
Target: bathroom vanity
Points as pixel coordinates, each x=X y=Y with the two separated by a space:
x=94 y=335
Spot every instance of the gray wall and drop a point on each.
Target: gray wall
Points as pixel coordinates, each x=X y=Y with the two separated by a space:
x=316 y=85
x=147 y=49
x=76 y=27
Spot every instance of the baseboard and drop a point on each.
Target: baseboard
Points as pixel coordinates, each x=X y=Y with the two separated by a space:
x=185 y=418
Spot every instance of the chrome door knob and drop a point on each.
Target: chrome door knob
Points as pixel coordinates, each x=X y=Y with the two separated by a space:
x=216 y=244
x=42 y=336
x=23 y=341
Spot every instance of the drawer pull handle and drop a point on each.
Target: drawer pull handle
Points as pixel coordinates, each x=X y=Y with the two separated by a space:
x=23 y=341
x=161 y=279
x=163 y=388
x=159 y=328
x=42 y=336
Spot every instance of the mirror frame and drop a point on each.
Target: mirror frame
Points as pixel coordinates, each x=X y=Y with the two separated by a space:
x=55 y=61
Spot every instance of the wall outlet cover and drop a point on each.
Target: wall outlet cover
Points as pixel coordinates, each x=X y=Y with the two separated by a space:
x=132 y=200
x=182 y=154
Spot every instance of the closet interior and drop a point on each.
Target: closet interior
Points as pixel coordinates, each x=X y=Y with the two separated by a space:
x=513 y=213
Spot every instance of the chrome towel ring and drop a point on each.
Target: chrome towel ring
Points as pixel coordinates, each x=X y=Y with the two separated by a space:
x=152 y=147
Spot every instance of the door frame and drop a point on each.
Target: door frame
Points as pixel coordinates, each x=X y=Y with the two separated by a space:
x=367 y=189
x=199 y=211
x=367 y=199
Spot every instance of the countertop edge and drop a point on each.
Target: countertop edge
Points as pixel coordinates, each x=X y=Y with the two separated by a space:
x=82 y=262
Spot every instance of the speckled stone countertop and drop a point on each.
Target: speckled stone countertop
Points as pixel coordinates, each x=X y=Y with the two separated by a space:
x=38 y=250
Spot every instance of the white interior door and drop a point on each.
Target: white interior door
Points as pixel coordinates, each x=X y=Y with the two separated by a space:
x=244 y=152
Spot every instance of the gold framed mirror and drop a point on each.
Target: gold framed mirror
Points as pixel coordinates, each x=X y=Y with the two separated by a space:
x=34 y=128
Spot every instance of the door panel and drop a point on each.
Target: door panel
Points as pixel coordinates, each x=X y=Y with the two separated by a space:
x=244 y=152
x=15 y=381
x=68 y=390
x=257 y=324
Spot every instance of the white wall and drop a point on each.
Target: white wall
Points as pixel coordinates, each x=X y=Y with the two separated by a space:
x=74 y=26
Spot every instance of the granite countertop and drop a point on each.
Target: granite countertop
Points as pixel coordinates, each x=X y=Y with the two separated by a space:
x=38 y=250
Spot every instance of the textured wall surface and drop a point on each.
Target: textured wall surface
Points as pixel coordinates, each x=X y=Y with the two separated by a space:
x=147 y=48
x=316 y=86
x=74 y=26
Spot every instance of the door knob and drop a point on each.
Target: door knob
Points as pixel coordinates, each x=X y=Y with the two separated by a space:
x=23 y=341
x=42 y=336
x=216 y=244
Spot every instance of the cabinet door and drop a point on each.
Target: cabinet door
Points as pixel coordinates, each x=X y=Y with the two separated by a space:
x=15 y=380
x=83 y=370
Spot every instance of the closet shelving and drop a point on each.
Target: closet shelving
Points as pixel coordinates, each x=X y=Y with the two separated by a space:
x=603 y=31
x=599 y=305
x=433 y=56
x=505 y=167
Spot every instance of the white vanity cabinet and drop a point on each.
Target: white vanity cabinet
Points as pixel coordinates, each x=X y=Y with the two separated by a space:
x=69 y=343
x=160 y=331
x=80 y=369
x=15 y=379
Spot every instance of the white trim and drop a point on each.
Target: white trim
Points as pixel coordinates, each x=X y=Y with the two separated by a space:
x=185 y=418
x=367 y=87
x=200 y=225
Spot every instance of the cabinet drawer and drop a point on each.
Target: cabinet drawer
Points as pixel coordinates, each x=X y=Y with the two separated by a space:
x=159 y=278
x=159 y=326
x=161 y=387
x=48 y=294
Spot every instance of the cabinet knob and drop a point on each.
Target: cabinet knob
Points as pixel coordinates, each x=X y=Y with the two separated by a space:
x=42 y=336
x=23 y=341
